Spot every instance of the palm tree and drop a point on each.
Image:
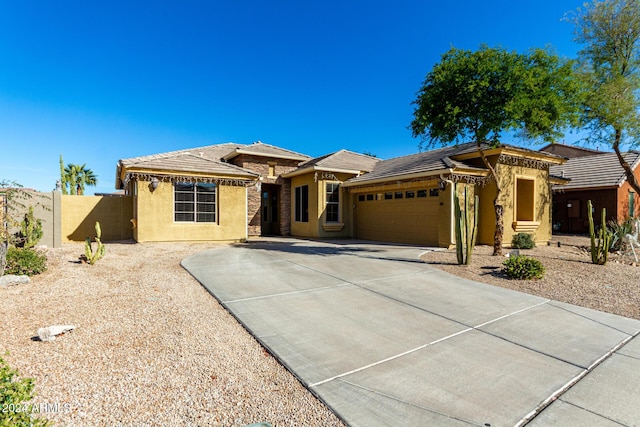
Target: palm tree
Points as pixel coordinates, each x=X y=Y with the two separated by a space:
x=78 y=176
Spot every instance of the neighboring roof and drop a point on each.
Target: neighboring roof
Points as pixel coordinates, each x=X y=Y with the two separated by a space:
x=265 y=150
x=442 y=160
x=569 y=151
x=340 y=161
x=596 y=171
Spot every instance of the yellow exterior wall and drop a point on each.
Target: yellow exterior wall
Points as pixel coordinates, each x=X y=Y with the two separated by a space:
x=508 y=179
x=317 y=227
x=155 y=216
x=80 y=213
x=310 y=228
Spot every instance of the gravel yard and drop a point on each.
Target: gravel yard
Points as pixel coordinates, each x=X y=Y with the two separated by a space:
x=151 y=347
x=570 y=276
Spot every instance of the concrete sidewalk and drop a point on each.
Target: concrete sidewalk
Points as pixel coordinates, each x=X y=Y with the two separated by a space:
x=384 y=339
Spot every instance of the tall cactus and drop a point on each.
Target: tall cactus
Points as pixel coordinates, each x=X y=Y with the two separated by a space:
x=600 y=244
x=465 y=232
x=93 y=257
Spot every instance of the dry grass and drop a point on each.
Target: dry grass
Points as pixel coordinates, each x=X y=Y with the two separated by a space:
x=570 y=276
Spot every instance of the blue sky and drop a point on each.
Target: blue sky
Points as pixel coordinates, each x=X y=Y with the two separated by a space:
x=101 y=81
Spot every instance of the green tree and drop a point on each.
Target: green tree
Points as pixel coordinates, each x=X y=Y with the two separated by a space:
x=79 y=176
x=480 y=95
x=609 y=67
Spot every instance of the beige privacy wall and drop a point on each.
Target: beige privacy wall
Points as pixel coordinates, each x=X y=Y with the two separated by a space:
x=80 y=213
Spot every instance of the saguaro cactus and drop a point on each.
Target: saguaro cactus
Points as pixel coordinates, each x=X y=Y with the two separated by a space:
x=91 y=256
x=600 y=244
x=466 y=226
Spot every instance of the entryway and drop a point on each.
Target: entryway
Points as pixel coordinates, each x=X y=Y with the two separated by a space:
x=269 y=210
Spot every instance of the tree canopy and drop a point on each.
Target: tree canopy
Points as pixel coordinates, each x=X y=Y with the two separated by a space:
x=609 y=67
x=479 y=95
x=77 y=177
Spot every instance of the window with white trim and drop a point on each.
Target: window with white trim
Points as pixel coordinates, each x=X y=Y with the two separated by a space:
x=194 y=202
x=332 y=211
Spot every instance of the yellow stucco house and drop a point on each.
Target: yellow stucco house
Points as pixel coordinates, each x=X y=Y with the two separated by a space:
x=229 y=192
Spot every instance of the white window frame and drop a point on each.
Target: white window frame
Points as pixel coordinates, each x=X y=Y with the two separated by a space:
x=327 y=202
x=198 y=212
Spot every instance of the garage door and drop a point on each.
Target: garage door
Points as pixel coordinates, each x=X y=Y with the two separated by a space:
x=407 y=216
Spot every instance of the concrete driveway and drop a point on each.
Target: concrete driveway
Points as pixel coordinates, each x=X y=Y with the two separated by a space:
x=385 y=340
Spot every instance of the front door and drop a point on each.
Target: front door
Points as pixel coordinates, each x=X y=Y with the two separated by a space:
x=270 y=213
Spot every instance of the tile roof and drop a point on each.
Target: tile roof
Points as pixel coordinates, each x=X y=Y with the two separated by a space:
x=342 y=160
x=209 y=159
x=569 y=151
x=425 y=162
x=261 y=149
x=597 y=171
x=189 y=162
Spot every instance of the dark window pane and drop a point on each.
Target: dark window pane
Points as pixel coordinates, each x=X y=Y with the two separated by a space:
x=302 y=204
x=305 y=203
x=206 y=217
x=433 y=192
x=184 y=217
x=422 y=193
x=388 y=196
x=410 y=194
x=399 y=195
x=184 y=207
x=184 y=197
x=361 y=197
x=369 y=196
x=206 y=208
x=332 y=213
x=207 y=197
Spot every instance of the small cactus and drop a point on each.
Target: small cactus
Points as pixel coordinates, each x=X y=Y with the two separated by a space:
x=90 y=256
x=599 y=245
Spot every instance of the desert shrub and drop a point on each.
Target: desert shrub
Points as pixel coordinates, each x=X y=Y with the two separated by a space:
x=30 y=231
x=15 y=392
x=522 y=267
x=618 y=231
x=522 y=241
x=25 y=261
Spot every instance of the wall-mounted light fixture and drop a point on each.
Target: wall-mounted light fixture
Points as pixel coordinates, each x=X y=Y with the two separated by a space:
x=154 y=183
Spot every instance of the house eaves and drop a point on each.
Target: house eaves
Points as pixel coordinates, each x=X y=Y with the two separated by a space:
x=418 y=175
x=316 y=168
x=512 y=151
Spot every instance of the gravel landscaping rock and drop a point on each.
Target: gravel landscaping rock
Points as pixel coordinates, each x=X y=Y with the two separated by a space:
x=154 y=348
x=570 y=276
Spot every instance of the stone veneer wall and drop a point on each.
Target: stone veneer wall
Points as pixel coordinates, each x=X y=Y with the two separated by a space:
x=260 y=165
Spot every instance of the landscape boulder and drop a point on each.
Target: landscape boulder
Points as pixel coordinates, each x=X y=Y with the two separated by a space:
x=50 y=332
x=11 y=279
